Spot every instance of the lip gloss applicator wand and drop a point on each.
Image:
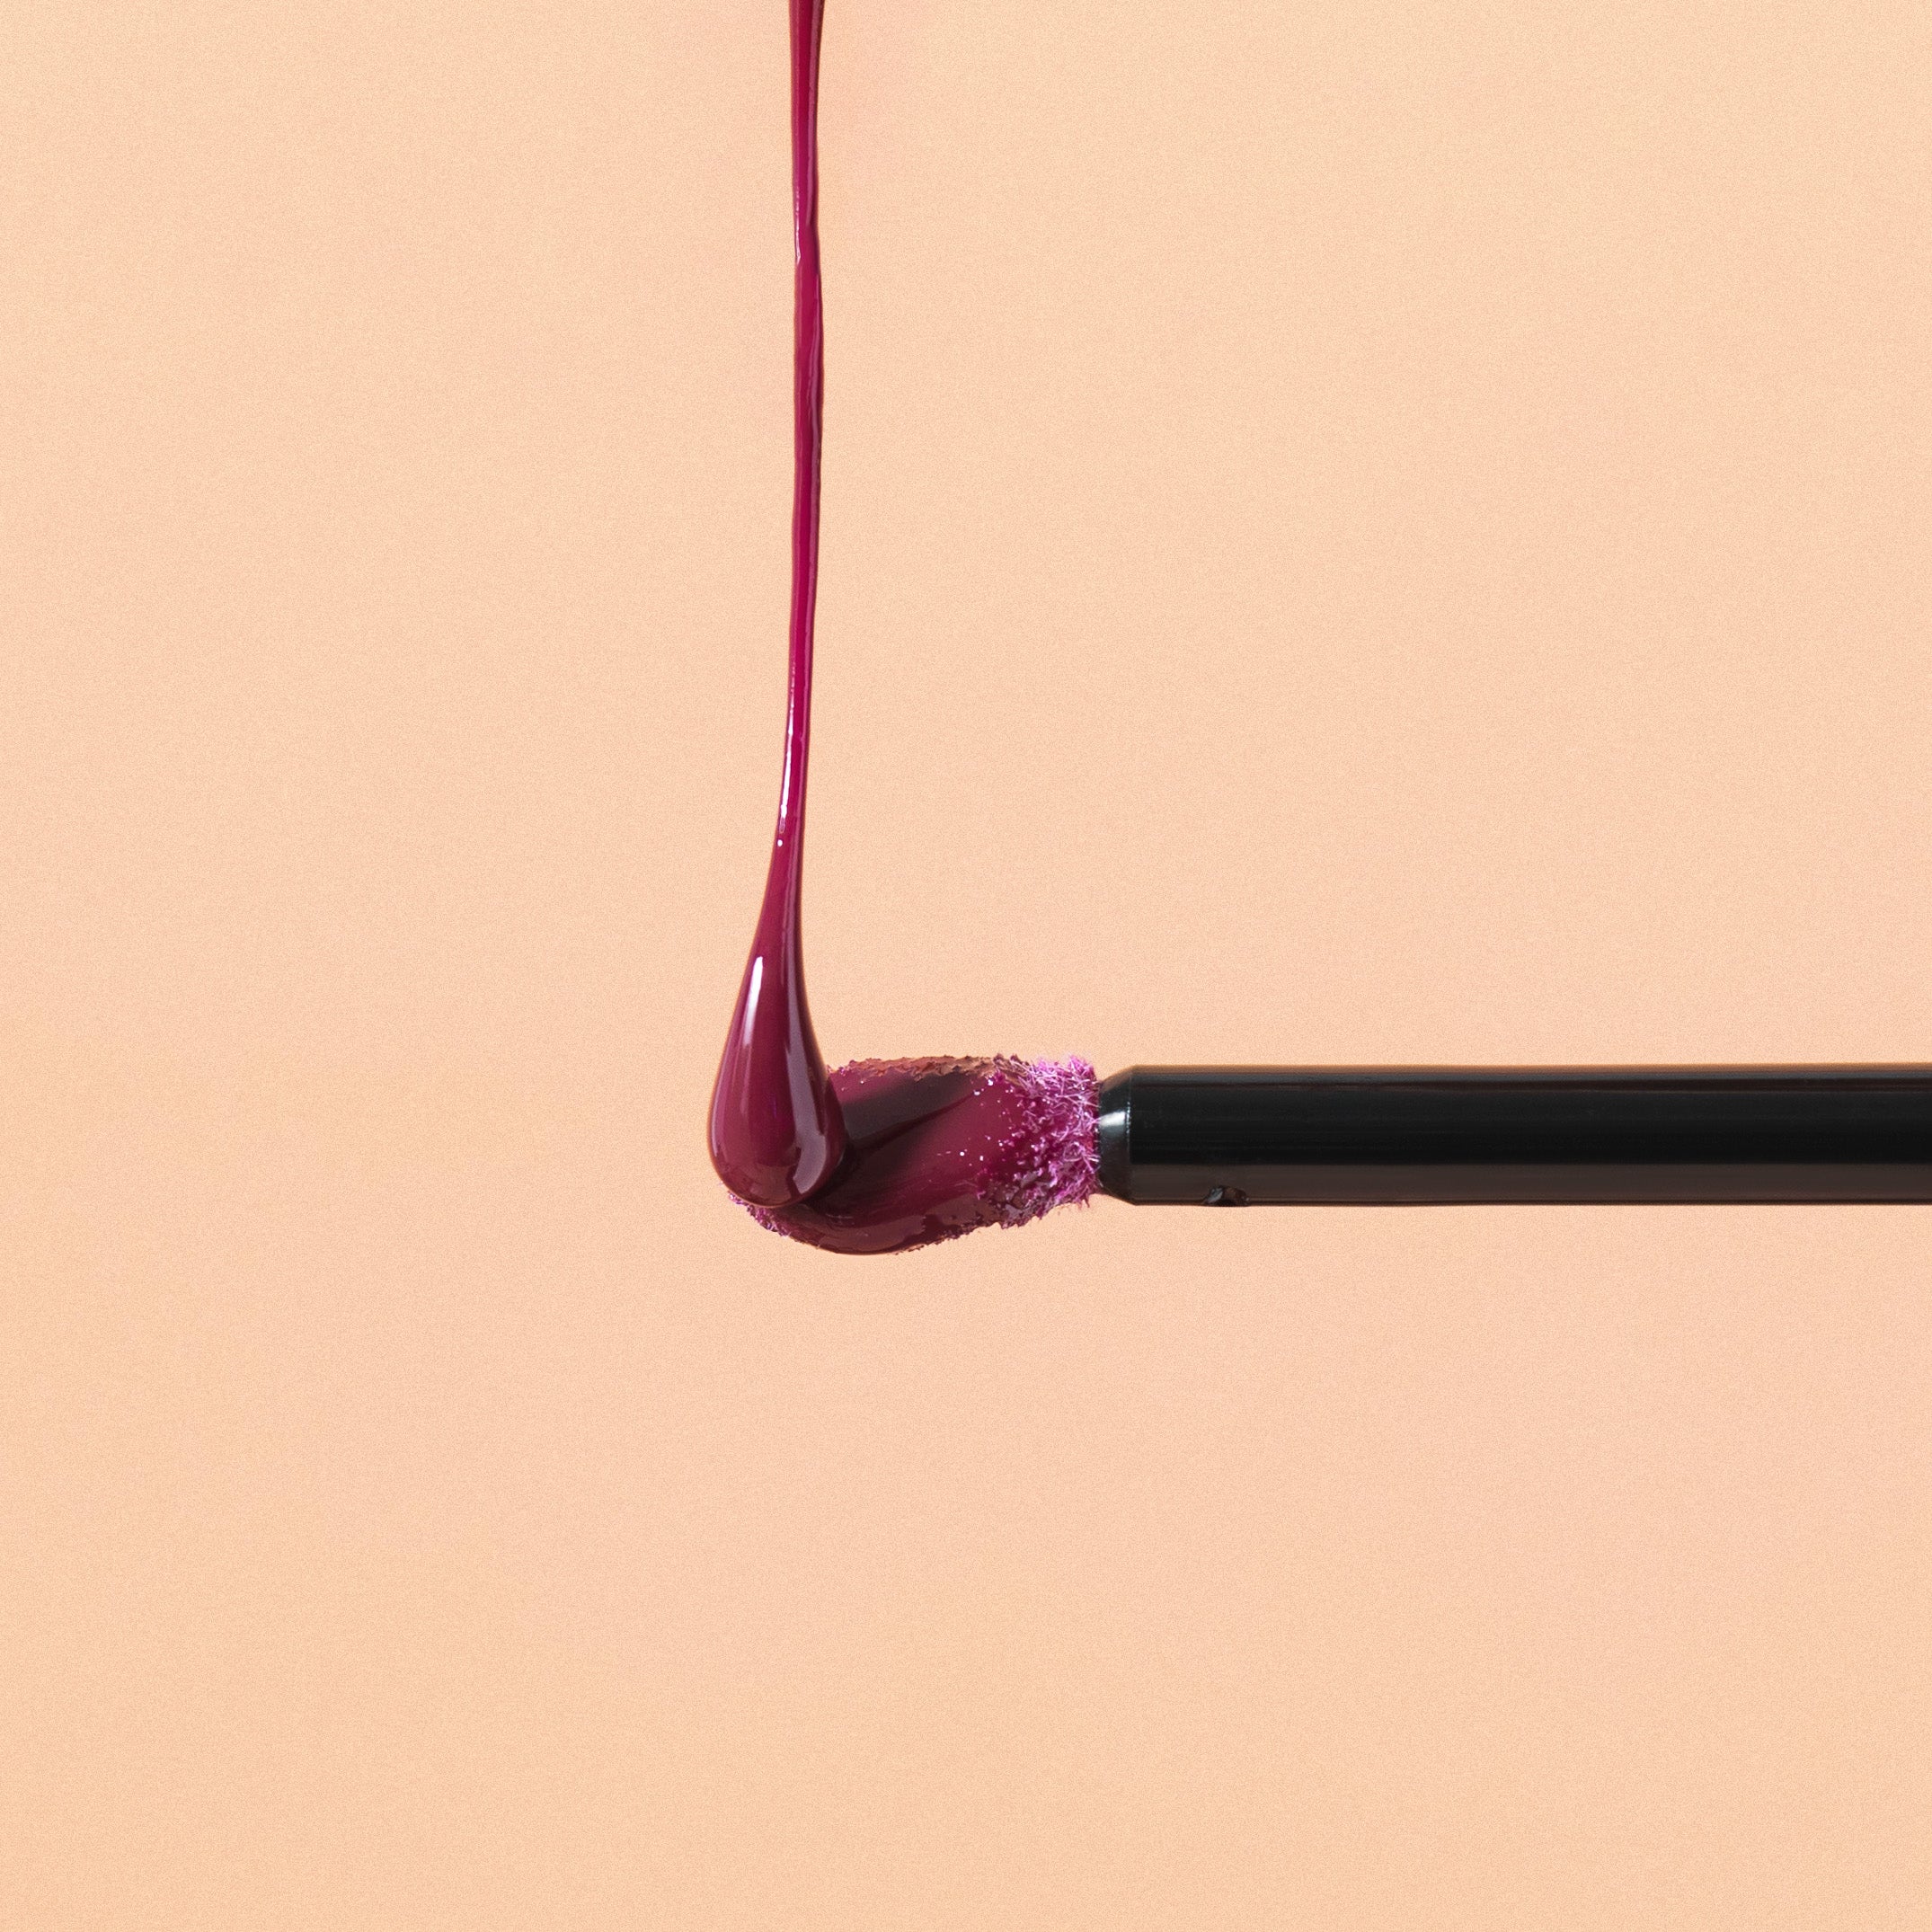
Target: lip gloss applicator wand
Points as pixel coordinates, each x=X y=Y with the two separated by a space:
x=879 y=1156
x=936 y=1149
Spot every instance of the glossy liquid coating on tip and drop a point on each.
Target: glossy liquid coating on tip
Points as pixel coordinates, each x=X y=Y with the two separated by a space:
x=939 y=1147
x=776 y=1134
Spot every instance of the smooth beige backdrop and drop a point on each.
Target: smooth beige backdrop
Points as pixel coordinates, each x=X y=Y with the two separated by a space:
x=1353 y=531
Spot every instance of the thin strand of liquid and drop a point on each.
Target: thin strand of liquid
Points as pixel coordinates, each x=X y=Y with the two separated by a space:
x=776 y=1130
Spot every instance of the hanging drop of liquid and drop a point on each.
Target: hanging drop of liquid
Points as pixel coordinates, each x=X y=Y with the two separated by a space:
x=776 y=1131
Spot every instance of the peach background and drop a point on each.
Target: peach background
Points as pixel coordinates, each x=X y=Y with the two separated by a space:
x=1360 y=531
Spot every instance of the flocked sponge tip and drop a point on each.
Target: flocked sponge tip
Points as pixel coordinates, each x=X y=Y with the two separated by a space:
x=937 y=1148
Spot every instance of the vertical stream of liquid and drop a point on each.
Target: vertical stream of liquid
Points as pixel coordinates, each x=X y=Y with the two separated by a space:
x=776 y=1131
x=884 y=1155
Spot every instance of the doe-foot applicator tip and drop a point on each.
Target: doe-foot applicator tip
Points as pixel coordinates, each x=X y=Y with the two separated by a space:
x=937 y=1148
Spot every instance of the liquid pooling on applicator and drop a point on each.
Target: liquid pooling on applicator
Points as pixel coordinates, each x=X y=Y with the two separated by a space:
x=881 y=1156
x=937 y=1148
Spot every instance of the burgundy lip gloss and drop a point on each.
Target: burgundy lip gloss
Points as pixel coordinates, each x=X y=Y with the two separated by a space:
x=938 y=1147
x=883 y=1155
x=777 y=1132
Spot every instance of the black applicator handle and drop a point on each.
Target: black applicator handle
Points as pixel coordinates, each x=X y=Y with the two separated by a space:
x=1228 y=1136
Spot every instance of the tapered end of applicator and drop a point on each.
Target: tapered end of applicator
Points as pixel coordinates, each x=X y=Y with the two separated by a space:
x=937 y=1148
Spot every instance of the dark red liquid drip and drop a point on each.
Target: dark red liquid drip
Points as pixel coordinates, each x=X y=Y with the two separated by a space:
x=884 y=1156
x=777 y=1133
